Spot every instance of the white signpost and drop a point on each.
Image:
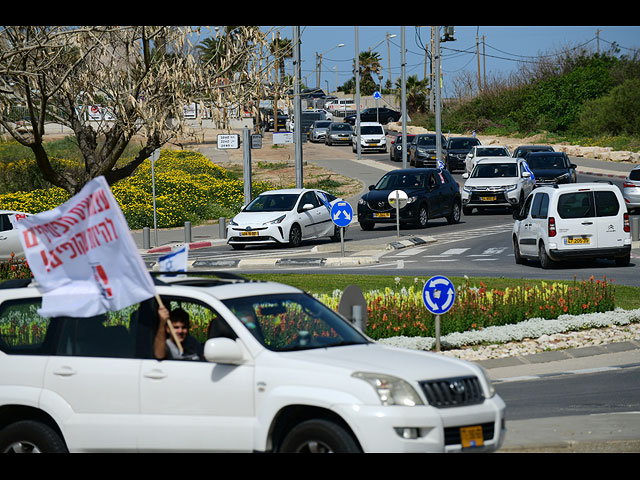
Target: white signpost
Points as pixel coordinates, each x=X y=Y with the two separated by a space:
x=399 y=199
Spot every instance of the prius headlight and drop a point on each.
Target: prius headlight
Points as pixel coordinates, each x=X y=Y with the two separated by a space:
x=276 y=221
x=391 y=390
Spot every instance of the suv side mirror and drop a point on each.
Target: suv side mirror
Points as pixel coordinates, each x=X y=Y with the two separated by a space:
x=223 y=350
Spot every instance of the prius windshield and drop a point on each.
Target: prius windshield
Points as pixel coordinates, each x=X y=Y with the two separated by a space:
x=282 y=202
x=293 y=321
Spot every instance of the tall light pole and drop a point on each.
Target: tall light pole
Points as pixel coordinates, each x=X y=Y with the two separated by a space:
x=403 y=101
x=357 y=75
x=319 y=63
x=297 y=107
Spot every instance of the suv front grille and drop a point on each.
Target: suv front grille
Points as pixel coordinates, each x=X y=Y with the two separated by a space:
x=453 y=392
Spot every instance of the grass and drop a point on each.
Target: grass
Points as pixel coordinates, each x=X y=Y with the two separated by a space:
x=626 y=297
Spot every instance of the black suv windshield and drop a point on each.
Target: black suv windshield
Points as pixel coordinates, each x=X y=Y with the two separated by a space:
x=495 y=170
x=462 y=143
x=401 y=180
x=293 y=321
x=546 y=161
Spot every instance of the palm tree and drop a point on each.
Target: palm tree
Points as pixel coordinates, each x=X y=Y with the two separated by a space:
x=416 y=92
x=281 y=48
x=369 y=64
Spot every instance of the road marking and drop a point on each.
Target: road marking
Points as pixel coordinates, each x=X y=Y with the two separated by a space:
x=455 y=251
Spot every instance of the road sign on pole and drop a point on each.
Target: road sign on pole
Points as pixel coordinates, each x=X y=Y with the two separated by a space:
x=438 y=295
x=341 y=215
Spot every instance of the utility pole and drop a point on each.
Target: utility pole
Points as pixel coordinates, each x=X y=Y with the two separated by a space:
x=297 y=133
x=484 y=65
x=436 y=57
x=357 y=75
x=478 y=57
x=403 y=97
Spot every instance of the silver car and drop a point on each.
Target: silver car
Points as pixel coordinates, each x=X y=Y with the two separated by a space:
x=318 y=131
x=631 y=189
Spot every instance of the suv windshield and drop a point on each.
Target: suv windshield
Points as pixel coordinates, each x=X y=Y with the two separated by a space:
x=273 y=203
x=341 y=127
x=546 y=162
x=295 y=321
x=371 y=130
x=322 y=124
x=491 y=152
x=494 y=170
x=401 y=180
x=426 y=140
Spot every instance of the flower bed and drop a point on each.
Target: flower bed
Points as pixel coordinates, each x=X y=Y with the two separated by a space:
x=188 y=186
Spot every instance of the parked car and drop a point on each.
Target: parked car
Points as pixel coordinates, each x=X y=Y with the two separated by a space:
x=341 y=105
x=422 y=151
x=457 y=150
x=496 y=182
x=338 y=133
x=9 y=239
x=432 y=193
x=267 y=119
x=381 y=115
x=631 y=189
x=480 y=151
x=523 y=150
x=318 y=131
x=395 y=150
x=573 y=221
x=372 y=137
x=287 y=216
x=551 y=167
x=281 y=372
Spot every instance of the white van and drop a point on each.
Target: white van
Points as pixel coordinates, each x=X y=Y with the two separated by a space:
x=341 y=105
x=372 y=137
x=570 y=221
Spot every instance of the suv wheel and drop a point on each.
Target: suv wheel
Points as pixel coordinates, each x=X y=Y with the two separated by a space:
x=423 y=217
x=319 y=436
x=27 y=436
x=367 y=226
x=455 y=213
x=545 y=261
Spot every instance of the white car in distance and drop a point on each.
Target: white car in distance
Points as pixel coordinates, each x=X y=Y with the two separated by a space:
x=372 y=137
x=9 y=240
x=484 y=151
x=287 y=216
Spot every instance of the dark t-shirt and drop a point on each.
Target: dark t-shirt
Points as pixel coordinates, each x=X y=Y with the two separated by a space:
x=192 y=350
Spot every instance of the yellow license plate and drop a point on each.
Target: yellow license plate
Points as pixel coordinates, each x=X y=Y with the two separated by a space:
x=248 y=234
x=381 y=215
x=487 y=199
x=471 y=436
x=577 y=241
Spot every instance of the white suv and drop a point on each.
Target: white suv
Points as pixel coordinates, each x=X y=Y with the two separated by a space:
x=281 y=373
x=578 y=220
x=497 y=182
x=372 y=137
x=484 y=151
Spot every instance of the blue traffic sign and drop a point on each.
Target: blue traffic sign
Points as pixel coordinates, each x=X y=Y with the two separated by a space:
x=341 y=214
x=377 y=95
x=438 y=294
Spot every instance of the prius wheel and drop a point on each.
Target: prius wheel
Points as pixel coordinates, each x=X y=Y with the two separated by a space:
x=295 y=235
x=319 y=436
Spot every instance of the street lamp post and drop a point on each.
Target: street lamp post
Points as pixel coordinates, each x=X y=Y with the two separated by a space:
x=319 y=63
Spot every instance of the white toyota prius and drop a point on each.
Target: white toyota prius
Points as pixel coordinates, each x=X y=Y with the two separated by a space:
x=287 y=216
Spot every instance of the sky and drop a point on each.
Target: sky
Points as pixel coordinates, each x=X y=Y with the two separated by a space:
x=504 y=47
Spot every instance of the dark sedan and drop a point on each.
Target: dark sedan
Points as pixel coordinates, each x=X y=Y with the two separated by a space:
x=432 y=194
x=381 y=115
x=422 y=151
x=457 y=150
x=551 y=167
x=395 y=152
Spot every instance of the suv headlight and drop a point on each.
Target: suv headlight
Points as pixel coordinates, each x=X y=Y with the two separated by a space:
x=412 y=199
x=510 y=188
x=492 y=390
x=391 y=390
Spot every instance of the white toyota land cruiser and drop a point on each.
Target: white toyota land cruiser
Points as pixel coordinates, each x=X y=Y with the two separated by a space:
x=281 y=373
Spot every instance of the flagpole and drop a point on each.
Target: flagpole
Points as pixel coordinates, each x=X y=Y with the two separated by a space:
x=171 y=329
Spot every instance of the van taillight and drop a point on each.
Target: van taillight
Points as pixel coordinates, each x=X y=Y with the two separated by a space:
x=627 y=226
x=552 y=227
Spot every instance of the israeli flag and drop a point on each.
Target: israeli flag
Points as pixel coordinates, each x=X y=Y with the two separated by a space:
x=324 y=200
x=440 y=164
x=526 y=167
x=176 y=261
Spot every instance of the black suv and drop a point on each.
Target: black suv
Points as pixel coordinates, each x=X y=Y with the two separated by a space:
x=432 y=193
x=523 y=150
x=551 y=167
x=457 y=150
x=422 y=150
x=381 y=115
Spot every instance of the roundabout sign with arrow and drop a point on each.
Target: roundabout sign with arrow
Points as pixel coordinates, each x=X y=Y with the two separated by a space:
x=438 y=295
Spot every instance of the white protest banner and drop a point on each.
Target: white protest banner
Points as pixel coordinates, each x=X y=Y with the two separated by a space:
x=176 y=261
x=82 y=255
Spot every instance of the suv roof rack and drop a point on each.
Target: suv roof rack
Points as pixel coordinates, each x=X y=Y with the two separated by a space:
x=201 y=278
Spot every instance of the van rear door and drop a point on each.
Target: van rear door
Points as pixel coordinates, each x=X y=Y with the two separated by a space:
x=577 y=226
x=609 y=219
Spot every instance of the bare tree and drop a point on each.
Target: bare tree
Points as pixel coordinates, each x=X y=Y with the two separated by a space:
x=141 y=77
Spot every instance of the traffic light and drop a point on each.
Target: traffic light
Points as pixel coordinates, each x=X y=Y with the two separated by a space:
x=448 y=34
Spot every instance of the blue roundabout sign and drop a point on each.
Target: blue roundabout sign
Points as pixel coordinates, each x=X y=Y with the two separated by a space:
x=438 y=294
